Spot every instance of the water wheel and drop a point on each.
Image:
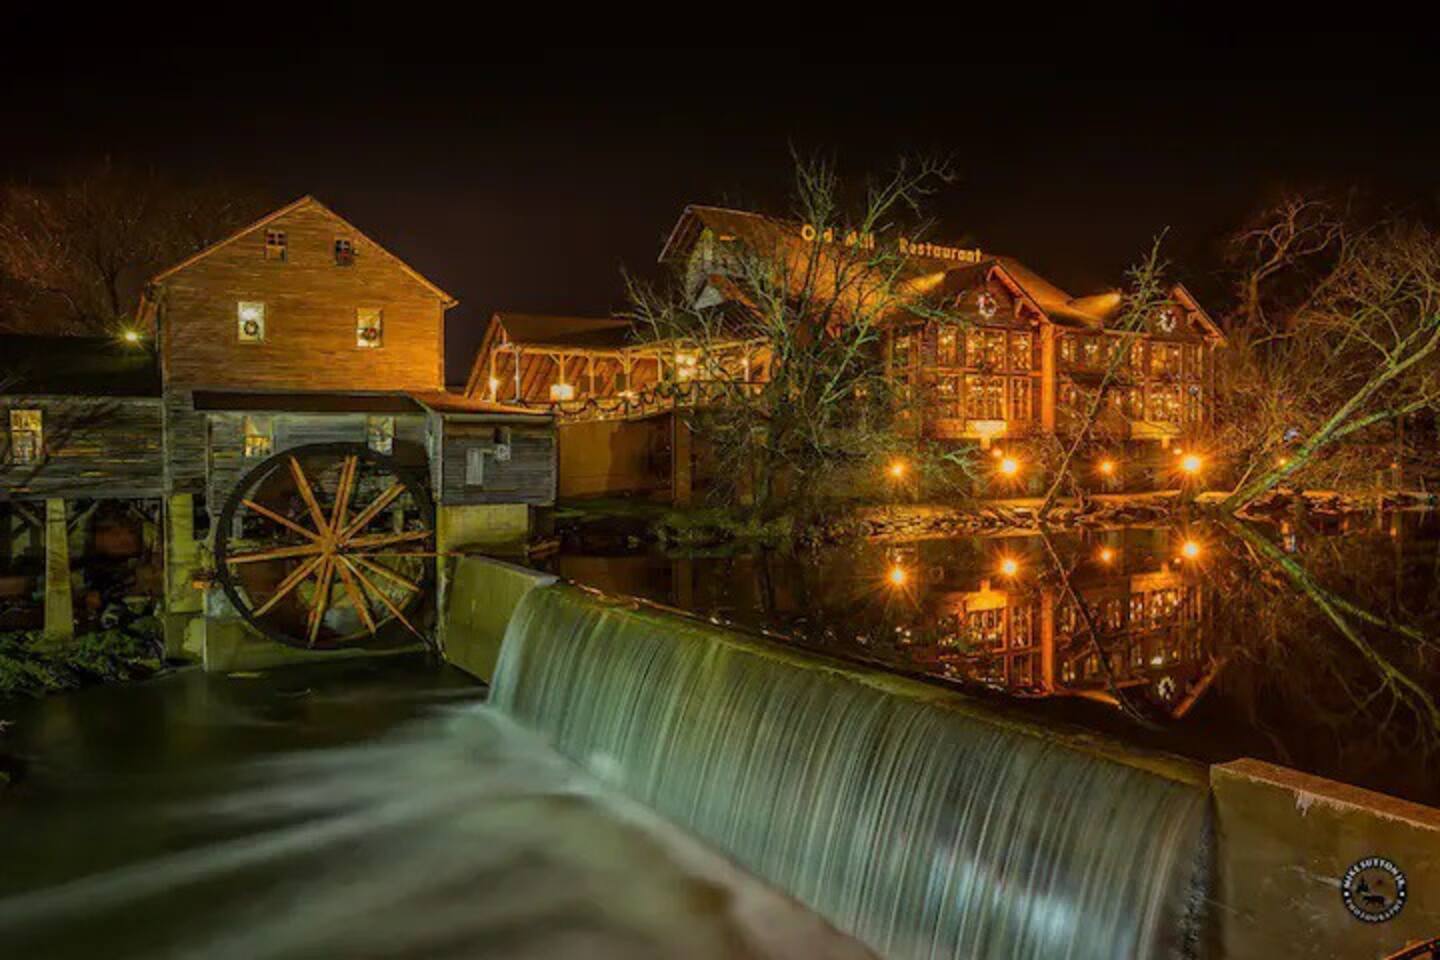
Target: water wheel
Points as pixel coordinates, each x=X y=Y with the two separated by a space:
x=328 y=544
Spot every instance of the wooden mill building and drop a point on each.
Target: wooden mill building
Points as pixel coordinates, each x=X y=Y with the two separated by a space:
x=296 y=332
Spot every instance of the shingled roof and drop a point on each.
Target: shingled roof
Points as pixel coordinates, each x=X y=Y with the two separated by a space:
x=77 y=366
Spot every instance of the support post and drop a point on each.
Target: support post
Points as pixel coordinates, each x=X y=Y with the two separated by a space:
x=182 y=562
x=59 y=602
x=682 y=470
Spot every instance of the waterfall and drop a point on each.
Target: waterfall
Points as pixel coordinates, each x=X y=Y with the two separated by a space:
x=924 y=824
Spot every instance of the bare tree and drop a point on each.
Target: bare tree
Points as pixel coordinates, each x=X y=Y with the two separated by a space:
x=75 y=254
x=1361 y=354
x=788 y=354
x=1278 y=254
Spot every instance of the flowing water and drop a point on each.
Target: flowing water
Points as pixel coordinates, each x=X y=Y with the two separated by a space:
x=926 y=829
x=182 y=818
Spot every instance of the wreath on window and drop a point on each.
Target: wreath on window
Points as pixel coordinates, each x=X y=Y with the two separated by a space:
x=369 y=334
x=987 y=304
x=1167 y=320
x=251 y=328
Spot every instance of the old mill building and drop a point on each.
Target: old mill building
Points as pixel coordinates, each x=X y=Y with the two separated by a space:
x=1011 y=358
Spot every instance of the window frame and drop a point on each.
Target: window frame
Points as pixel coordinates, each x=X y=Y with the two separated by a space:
x=378 y=314
x=241 y=319
x=35 y=446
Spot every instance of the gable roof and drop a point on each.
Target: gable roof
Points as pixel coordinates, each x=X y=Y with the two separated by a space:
x=541 y=328
x=77 y=367
x=311 y=201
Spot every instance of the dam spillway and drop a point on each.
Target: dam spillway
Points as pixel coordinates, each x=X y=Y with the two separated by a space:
x=923 y=828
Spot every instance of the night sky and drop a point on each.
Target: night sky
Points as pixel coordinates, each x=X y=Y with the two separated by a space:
x=526 y=186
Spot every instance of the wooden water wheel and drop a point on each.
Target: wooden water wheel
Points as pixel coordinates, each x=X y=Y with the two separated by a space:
x=328 y=544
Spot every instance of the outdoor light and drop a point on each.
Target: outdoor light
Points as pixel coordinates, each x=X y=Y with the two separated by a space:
x=1281 y=461
x=1191 y=463
x=896 y=470
x=1107 y=467
x=1106 y=554
x=131 y=336
x=1009 y=466
x=1009 y=566
x=1190 y=549
x=562 y=391
x=897 y=576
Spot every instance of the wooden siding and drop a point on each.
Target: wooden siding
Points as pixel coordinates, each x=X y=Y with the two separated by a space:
x=184 y=444
x=227 y=462
x=104 y=447
x=310 y=315
x=527 y=477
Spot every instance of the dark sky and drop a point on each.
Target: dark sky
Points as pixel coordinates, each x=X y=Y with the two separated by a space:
x=527 y=186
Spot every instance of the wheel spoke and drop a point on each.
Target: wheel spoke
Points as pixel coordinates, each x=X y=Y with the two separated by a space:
x=368 y=514
x=381 y=594
x=289 y=584
x=385 y=539
x=357 y=598
x=308 y=495
x=386 y=572
x=269 y=514
x=278 y=553
x=322 y=597
x=342 y=493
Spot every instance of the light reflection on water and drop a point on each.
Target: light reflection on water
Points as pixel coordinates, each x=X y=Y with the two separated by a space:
x=1190 y=637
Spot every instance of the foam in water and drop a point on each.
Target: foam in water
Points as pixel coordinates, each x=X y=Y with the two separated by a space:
x=906 y=817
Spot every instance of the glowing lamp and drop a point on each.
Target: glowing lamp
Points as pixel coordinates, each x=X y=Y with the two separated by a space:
x=1009 y=466
x=1107 y=467
x=896 y=470
x=1190 y=549
x=1281 y=461
x=562 y=391
x=897 y=576
x=1106 y=554
x=131 y=336
x=1009 y=566
x=1191 y=463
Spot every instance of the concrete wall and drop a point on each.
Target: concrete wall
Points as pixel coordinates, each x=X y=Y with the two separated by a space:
x=1284 y=840
x=481 y=596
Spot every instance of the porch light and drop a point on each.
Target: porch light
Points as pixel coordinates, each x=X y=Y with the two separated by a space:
x=1190 y=549
x=1107 y=467
x=1009 y=566
x=1009 y=466
x=560 y=392
x=131 y=336
x=1191 y=463
x=897 y=576
x=1106 y=554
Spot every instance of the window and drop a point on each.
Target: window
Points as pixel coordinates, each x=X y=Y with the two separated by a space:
x=1020 y=355
x=252 y=322
x=1165 y=403
x=1020 y=395
x=275 y=245
x=947 y=398
x=994 y=350
x=380 y=434
x=258 y=432
x=985 y=398
x=344 y=252
x=1090 y=352
x=900 y=352
x=1067 y=350
x=368 y=333
x=948 y=354
x=475 y=466
x=27 y=440
x=1164 y=359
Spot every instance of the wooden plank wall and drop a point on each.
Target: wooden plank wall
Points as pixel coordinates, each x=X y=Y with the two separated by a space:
x=106 y=447
x=310 y=315
x=528 y=477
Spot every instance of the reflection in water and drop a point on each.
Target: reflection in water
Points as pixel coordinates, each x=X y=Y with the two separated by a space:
x=1311 y=646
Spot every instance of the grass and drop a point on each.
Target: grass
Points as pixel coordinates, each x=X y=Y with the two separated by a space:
x=30 y=667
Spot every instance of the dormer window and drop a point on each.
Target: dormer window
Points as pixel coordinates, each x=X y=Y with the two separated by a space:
x=368 y=329
x=251 y=318
x=344 y=252
x=275 y=245
x=26 y=436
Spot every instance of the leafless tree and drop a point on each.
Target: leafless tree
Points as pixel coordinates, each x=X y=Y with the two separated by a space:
x=74 y=255
x=806 y=301
x=1280 y=252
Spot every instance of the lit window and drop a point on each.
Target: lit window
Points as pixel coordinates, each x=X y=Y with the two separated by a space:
x=275 y=245
x=949 y=346
x=1020 y=351
x=258 y=432
x=368 y=327
x=1020 y=396
x=344 y=252
x=26 y=437
x=252 y=322
x=380 y=434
